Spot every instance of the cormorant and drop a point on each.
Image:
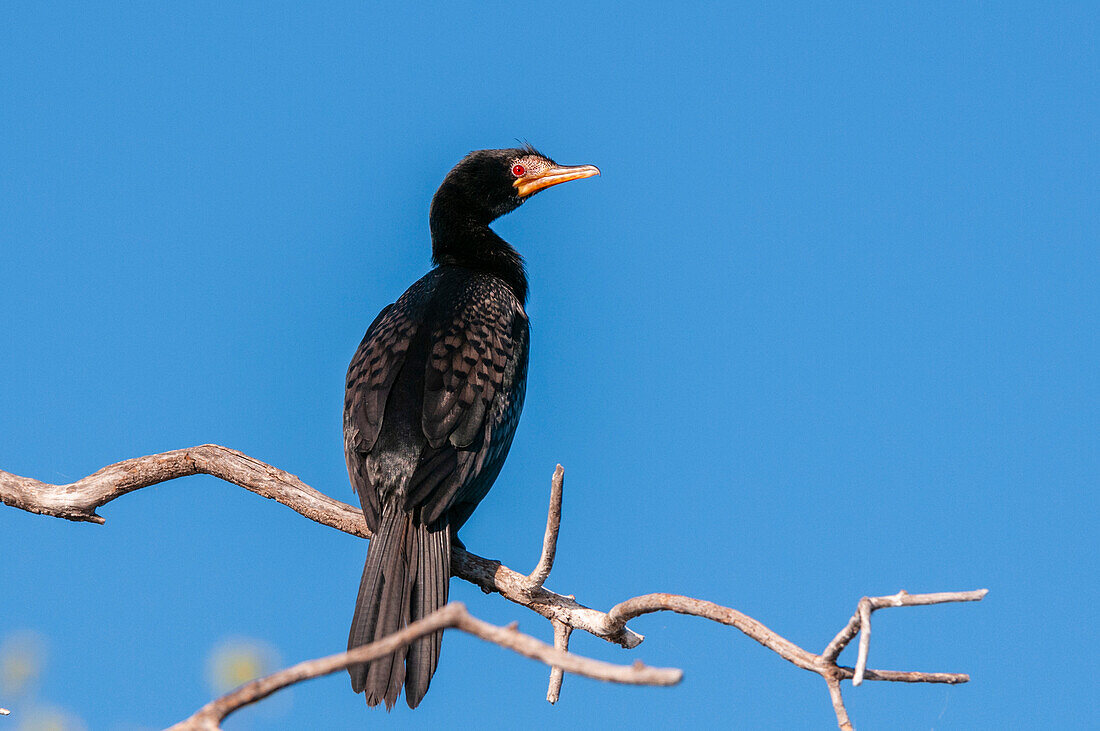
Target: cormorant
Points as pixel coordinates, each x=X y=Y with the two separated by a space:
x=433 y=396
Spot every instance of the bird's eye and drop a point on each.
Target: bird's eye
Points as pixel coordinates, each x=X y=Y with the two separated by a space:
x=518 y=170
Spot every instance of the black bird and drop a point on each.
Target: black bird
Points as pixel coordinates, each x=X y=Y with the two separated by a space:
x=432 y=400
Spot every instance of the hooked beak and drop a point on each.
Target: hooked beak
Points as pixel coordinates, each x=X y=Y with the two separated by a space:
x=534 y=182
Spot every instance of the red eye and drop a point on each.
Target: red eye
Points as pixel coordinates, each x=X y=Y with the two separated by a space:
x=518 y=170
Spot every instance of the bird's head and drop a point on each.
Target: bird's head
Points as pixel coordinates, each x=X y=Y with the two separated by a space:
x=486 y=184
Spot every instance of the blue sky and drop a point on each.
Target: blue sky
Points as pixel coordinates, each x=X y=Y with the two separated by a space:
x=826 y=326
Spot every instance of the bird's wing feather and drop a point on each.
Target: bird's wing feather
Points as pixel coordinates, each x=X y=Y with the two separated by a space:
x=471 y=395
x=465 y=369
x=372 y=373
x=371 y=376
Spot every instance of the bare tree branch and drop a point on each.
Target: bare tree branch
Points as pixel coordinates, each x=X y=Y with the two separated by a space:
x=454 y=615
x=824 y=664
x=623 y=612
x=79 y=501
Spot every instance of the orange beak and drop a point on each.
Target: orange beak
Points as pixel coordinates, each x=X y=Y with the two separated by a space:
x=534 y=182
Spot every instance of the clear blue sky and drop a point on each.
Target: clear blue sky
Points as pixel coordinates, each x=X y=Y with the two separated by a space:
x=825 y=327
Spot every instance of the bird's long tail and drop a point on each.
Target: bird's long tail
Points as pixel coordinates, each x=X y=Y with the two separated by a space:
x=405 y=578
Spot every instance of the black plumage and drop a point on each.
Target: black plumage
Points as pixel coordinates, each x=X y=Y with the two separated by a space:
x=433 y=397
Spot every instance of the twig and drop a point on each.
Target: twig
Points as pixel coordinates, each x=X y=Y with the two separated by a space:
x=842 y=721
x=454 y=615
x=561 y=642
x=550 y=539
x=864 y=611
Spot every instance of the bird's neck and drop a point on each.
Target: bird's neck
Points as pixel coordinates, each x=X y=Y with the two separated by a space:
x=465 y=242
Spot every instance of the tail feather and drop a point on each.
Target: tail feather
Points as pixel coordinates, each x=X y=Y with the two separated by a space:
x=429 y=593
x=405 y=578
x=385 y=674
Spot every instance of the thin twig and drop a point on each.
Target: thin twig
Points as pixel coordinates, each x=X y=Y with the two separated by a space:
x=550 y=539
x=454 y=615
x=561 y=642
x=864 y=610
x=842 y=720
x=843 y=637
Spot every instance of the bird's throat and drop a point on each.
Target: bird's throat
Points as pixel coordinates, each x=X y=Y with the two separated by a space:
x=476 y=246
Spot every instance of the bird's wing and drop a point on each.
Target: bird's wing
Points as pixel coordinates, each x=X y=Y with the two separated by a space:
x=473 y=391
x=470 y=352
x=371 y=376
x=372 y=373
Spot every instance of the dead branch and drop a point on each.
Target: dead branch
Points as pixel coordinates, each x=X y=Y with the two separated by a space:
x=824 y=664
x=454 y=615
x=861 y=622
x=79 y=501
